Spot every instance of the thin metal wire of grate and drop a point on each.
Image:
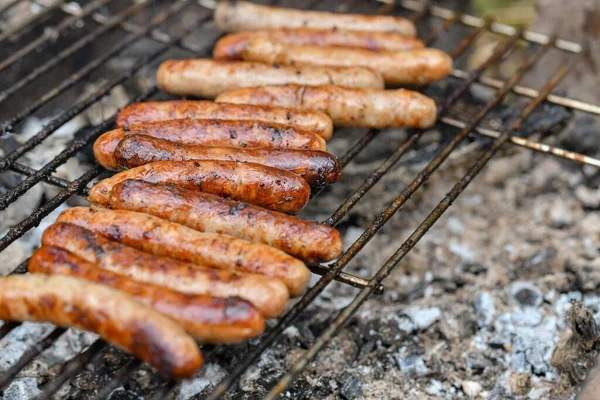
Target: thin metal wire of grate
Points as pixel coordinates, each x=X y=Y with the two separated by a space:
x=152 y=31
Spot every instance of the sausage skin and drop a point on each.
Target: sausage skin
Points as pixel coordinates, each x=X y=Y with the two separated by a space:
x=318 y=168
x=208 y=319
x=242 y=134
x=268 y=295
x=263 y=186
x=152 y=111
x=207 y=78
x=230 y=47
x=413 y=67
x=233 y=16
x=165 y=238
x=309 y=241
x=114 y=315
x=350 y=107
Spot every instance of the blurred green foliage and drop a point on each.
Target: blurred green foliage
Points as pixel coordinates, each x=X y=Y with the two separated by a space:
x=512 y=12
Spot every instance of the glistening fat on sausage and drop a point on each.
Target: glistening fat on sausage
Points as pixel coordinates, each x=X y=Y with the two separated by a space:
x=309 y=241
x=208 y=319
x=318 y=168
x=164 y=238
x=268 y=295
x=116 y=316
x=267 y=187
x=207 y=78
x=152 y=111
x=413 y=67
x=233 y=16
x=230 y=47
x=350 y=107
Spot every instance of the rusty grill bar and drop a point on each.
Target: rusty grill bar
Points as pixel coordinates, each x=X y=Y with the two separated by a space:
x=153 y=31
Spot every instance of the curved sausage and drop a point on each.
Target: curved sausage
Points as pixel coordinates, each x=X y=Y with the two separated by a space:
x=233 y=16
x=115 y=316
x=316 y=167
x=152 y=111
x=414 y=67
x=208 y=78
x=267 y=187
x=268 y=295
x=208 y=319
x=164 y=238
x=309 y=241
x=351 y=107
x=242 y=134
x=230 y=47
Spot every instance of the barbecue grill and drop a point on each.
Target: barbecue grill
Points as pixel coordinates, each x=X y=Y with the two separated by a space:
x=122 y=25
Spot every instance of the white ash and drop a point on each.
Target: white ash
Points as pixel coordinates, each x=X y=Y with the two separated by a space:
x=423 y=317
x=19 y=340
x=22 y=388
x=210 y=375
x=485 y=309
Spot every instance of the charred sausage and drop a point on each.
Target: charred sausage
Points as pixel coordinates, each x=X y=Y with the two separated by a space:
x=208 y=78
x=164 y=238
x=414 y=67
x=268 y=295
x=208 y=319
x=316 y=167
x=116 y=316
x=232 y=16
x=267 y=187
x=352 y=107
x=242 y=134
x=309 y=241
x=230 y=47
x=152 y=111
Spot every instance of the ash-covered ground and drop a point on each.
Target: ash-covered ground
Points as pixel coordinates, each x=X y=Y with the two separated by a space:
x=476 y=309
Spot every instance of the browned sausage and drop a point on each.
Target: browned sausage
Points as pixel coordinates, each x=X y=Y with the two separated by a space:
x=230 y=47
x=316 y=167
x=164 y=238
x=152 y=111
x=263 y=186
x=208 y=78
x=245 y=16
x=309 y=241
x=352 y=107
x=209 y=132
x=268 y=295
x=208 y=319
x=114 y=315
x=414 y=67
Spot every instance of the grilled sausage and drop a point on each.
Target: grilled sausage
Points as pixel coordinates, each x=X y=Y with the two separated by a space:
x=353 y=107
x=309 y=241
x=230 y=47
x=268 y=295
x=208 y=319
x=414 y=67
x=115 y=316
x=164 y=238
x=208 y=132
x=152 y=111
x=267 y=187
x=232 y=16
x=208 y=78
x=316 y=167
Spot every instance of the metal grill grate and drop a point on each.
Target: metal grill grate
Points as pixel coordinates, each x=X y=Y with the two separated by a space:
x=122 y=21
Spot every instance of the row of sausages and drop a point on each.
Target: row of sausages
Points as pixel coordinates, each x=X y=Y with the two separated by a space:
x=194 y=238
